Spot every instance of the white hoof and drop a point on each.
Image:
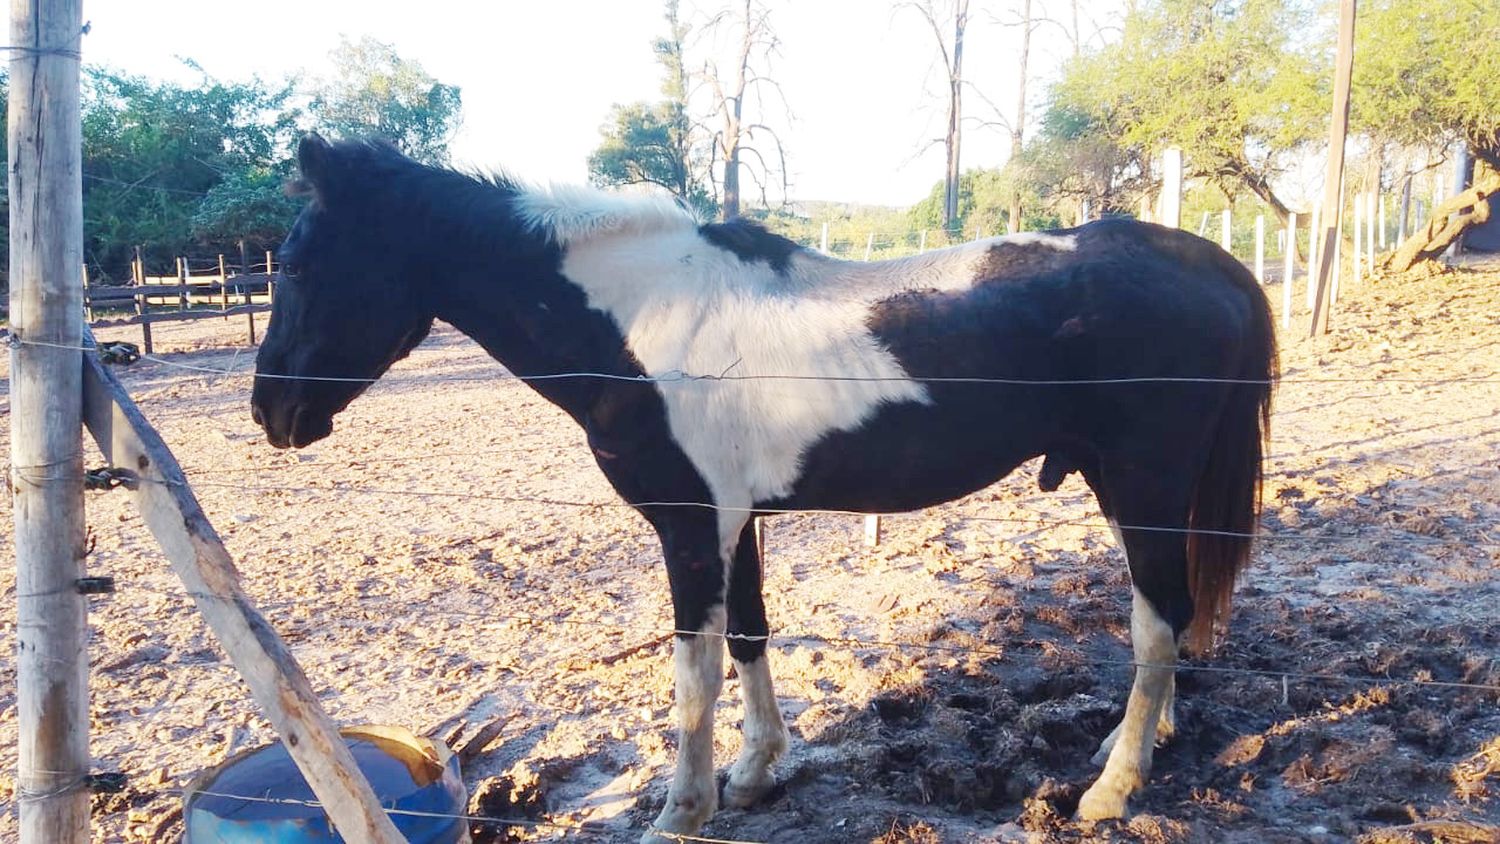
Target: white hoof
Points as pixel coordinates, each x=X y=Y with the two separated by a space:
x=683 y=815
x=1102 y=802
x=745 y=791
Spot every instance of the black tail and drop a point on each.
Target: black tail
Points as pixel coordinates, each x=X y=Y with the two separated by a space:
x=1227 y=498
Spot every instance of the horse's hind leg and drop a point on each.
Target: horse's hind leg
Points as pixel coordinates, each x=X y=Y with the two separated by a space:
x=765 y=733
x=1160 y=610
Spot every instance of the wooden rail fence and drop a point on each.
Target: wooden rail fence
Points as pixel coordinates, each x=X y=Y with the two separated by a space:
x=225 y=290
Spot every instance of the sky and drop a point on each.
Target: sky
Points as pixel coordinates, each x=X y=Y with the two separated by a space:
x=861 y=79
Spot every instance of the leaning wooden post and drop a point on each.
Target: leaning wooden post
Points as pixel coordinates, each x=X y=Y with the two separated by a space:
x=922 y=246
x=869 y=245
x=1333 y=180
x=46 y=333
x=198 y=557
x=1289 y=268
x=1170 y=213
x=1260 y=248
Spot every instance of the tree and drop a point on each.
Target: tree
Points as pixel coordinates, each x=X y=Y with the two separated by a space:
x=734 y=141
x=1427 y=76
x=373 y=91
x=153 y=152
x=646 y=143
x=1232 y=82
x=952 y=54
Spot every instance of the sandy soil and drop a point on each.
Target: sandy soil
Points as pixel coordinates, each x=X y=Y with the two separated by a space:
x=444 y=611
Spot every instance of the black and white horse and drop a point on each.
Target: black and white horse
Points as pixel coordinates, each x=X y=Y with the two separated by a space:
x=853 y=386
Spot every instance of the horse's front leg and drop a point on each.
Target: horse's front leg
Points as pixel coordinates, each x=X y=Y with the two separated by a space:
x=696 y=568
x=765 y=734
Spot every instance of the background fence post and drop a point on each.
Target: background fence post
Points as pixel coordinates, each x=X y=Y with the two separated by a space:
x=1359 y=227
x=1289 y=259
x=1314 y=254
x=822 y=244
x=270 y=279
x=869 y=245
x=138 y=273
x=1226 y=232
x=46 y=395
x=1260 y=248
x=1370 y=202
x=1170 y=214
x=223 y=286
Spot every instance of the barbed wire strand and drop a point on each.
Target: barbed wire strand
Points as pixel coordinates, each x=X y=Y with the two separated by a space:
x=1034 y=521
x=677 y=376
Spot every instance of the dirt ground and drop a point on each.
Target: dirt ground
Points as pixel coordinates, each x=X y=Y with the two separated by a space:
x=443 y=611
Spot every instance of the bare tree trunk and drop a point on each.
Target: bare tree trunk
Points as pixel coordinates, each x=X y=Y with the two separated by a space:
x=1405 y=221
x=1017 y=129
x=733 y=111
x=1448 y=223
x=955 y=117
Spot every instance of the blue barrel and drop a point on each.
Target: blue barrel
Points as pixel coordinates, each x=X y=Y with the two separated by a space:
x=408 y=773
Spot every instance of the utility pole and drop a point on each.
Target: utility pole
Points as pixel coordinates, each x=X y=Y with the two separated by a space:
x=46 y=399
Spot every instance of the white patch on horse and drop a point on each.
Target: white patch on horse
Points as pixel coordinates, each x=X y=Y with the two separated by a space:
x=685 y=305
x=1060 y=242
x=571 y=213
x=1129 y=762
x=699 y=669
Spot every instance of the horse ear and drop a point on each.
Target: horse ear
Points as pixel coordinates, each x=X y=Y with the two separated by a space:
x=314 y=156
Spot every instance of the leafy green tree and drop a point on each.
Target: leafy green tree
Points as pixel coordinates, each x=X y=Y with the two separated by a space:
x=154 y=151
x=1427 y=74
x=652 y=143
x=373 y=91
x=984 y=200
x=1235 y=83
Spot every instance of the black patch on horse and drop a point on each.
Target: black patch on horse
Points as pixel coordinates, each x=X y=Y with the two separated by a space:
x=1010 y=259
x=750 y=241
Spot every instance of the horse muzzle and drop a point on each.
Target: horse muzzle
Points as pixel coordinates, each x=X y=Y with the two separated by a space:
x=288 y=423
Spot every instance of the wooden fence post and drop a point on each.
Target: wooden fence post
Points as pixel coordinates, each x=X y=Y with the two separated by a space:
x=1382 y=220
x=869 y=245
x=1226 y=233
x=1170 y=213
x=922 y=246
x=46 y=408
x=1289 y=259
x=1333 y=180
x=270 y=278
x=1260 y=248
x=88 y=301
x=822 y=243
x=1314 y=245
x=223 y=286
x=872 y=529
x=183 y=275
x=138 y=277
x=1370 y=202
x=1359 y=228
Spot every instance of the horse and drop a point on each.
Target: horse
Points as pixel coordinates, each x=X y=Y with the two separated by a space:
x=721 y=371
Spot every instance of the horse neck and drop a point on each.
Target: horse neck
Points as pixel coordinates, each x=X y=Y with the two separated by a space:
x=514 y=303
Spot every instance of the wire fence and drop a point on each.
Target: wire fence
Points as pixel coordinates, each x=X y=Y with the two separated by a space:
x=807 y=636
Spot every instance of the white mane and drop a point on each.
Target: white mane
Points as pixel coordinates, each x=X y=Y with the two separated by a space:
x=572 y=213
